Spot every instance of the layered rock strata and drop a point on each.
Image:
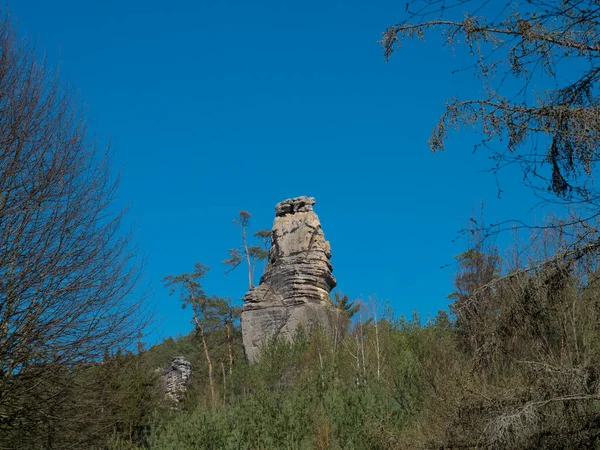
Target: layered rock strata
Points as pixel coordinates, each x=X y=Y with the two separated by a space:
x=176 y=378
x=294 y=290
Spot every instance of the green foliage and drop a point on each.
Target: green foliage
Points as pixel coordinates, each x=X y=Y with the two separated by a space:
x=210 y=312
x=383 y=384
x=515 y=366
x=301 y=394
x=113 y=398
x=188 y=284
x=348 y=307
x=252 y=254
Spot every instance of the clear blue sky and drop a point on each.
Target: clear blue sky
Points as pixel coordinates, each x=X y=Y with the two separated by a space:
x=217 y=106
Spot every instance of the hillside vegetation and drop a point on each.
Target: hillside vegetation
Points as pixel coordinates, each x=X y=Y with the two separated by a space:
x=513 y=363
x=514 y=366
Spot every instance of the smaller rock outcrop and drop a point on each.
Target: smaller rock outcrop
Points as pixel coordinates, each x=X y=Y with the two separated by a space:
x=176 y=378
x=294 y=290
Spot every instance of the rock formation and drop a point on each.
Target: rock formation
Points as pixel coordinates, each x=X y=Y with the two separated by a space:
x=176 y=378
x=294 y=290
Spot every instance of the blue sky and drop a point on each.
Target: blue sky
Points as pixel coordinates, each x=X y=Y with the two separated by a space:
x=217 y=106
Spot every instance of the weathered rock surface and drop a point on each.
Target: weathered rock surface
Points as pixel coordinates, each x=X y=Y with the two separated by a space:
x=176 y=378
x=294 y=290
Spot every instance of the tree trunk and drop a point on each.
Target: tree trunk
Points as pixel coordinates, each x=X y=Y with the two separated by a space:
x=229 y=347
x=210 y=367
x=250 y=278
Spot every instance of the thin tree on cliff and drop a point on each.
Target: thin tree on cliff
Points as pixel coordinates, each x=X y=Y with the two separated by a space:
x=539 y=66
x=209 y=313
x=66 y=272
x=251 y=254
x=265 y=236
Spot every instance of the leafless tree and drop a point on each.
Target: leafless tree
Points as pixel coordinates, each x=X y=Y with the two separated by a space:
x=537 y=61
x=67 y=272
x=538 y=65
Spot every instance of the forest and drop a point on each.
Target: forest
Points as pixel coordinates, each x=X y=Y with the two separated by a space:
x=513 y=362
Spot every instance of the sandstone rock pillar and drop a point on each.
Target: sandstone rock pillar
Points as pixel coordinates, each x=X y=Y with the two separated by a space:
x=294 y=290
x=176 y=378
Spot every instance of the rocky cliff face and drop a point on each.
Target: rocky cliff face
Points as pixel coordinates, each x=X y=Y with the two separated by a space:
x=295 y=288
x=176 y=378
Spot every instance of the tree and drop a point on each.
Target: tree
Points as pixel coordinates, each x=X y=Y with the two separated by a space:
x=248 y=253
x=192 y=293
x=237 y=255
x=346 y=306
x=475 y=301
x=218 y=312
x=128 y=391
x=265 y=236
x=67 y=272
x=209 y=313
x=538 y=387
x=538 y=64
x=229 y=315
